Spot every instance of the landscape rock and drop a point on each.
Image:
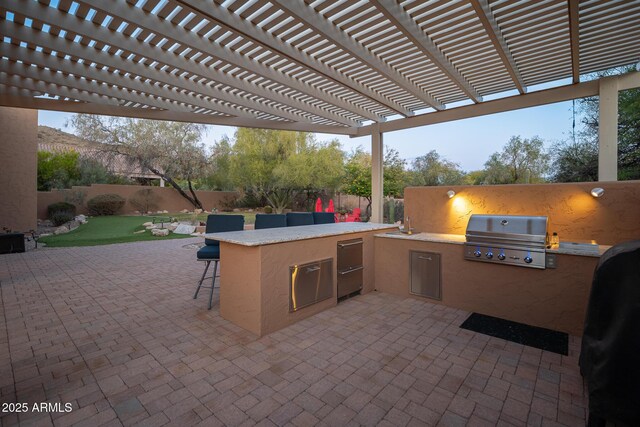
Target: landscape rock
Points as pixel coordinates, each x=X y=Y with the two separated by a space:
x=197 y=211
x=146 y=224
x=184 y=211
x=160 y=232
x=139 y=231
x=197 y=234
x=171 y=227
x=81 y=219
x=61 y=230
x=184 y=229
x=165 y=211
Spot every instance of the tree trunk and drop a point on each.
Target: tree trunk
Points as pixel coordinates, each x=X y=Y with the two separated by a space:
x=194 y=202
x=197 y=203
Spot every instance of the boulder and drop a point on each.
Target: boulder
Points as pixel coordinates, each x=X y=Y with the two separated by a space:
x=184 y=229
x=184 y=211
x=165 y=211
x=160 y=232
x=81 y=219
x=197 y=211
x=146 y=224
x=139 y=231
x=61 y=230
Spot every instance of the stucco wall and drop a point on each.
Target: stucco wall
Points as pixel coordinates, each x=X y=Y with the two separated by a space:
x=18 y=165
x=572 y=211
x=167 y=198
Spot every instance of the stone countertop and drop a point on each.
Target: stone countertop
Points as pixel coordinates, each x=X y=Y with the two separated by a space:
x=456 y=239
x=566 y=248
x=270 y=236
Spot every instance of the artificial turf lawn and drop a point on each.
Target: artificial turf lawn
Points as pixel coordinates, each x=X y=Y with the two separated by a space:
x=107 y=230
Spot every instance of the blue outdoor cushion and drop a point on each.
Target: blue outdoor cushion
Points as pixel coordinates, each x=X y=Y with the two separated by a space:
x=299 y=218
x=217 y=223
x=324 y=218
x=209 y=252
x=270 y=221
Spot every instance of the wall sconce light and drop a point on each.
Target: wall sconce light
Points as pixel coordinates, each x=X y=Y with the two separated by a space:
x=450 y=194
x=597 y=192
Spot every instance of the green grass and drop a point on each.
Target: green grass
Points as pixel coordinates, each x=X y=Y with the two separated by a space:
x=107 y=230
x=249 y=217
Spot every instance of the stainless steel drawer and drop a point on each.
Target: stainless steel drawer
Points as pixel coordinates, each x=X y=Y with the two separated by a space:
x=349 y=281
x=310 y=283
x=349 y=254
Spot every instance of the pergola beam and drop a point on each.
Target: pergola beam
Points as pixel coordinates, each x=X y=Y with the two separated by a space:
x=491 y=27
x=13 y=98
x=95 y=32
x=403 y=21
x=327 y=30
x=574 y=37
x=152 y=23
x=233 y=22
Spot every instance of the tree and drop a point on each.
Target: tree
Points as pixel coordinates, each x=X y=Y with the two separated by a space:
x=628 y=127
x=220 y=161
x=575 y=161
x=169 y=150
x=521 y=161
x=57 y=170
x=357 y=180
x=276 y=165
x=432 y=169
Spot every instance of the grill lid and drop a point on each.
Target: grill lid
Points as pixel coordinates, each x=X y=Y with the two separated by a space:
x=509 y=229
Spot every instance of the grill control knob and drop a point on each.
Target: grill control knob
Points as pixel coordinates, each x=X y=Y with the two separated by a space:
x=528 y=259
x=501 y=256
x=489 y=255
x=477 y=253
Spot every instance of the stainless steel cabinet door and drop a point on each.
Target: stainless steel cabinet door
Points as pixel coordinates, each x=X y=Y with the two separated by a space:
x=310 y=283
x=425 y=274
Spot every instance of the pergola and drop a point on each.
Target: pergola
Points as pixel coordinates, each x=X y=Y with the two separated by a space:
x=352 y=67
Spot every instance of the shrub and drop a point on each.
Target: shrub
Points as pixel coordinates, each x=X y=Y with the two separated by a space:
x=105 y=204
x=66 y=207
x=61 y=217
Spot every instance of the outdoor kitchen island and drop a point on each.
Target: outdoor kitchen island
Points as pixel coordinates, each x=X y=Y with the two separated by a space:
x=554 y=298
x=255 y=278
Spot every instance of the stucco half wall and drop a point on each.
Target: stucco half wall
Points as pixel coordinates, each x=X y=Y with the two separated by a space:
x=573 y=213
x=18 y=168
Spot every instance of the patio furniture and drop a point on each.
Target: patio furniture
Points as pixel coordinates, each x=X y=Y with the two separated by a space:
x=323 y=218
x=11 y=243
x=355 y=216
x=210 y=252
x=299 y=218
x=270 y=221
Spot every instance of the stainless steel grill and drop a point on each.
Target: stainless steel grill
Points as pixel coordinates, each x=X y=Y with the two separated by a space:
x=507 y=239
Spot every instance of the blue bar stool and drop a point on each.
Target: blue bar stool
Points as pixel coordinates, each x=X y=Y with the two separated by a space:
x=211 y=250
x=324 y=218
x=299 y=218
x=270 y=221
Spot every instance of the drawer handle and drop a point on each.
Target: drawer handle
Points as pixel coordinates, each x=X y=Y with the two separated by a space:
x=428 y=258
x=342 y=273
x=312 y=269
x=344 y=245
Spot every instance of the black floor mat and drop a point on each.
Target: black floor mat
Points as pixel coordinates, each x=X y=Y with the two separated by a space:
x=545 y=339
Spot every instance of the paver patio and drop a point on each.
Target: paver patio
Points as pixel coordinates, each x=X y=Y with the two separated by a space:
x=113 y=330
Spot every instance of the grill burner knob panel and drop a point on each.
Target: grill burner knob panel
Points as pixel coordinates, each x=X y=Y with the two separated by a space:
x=489 y=255
x=528 y=259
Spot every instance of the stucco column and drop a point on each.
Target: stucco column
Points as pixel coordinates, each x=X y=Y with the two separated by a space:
x=608 y=130
x=18 y=168
x=377 y=154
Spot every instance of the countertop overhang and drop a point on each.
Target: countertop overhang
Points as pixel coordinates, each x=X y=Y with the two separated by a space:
x=270 y=236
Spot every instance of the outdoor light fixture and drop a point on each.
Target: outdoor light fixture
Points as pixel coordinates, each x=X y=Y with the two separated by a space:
x=597 y=192
x=451 y=193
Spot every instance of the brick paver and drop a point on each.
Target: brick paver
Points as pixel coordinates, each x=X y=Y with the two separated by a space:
x=114 y=332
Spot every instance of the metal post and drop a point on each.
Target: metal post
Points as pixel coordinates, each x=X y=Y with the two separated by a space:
x=608 y=130
x=377 y=154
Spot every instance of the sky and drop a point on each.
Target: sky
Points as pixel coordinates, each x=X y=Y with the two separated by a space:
x=467 y=142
